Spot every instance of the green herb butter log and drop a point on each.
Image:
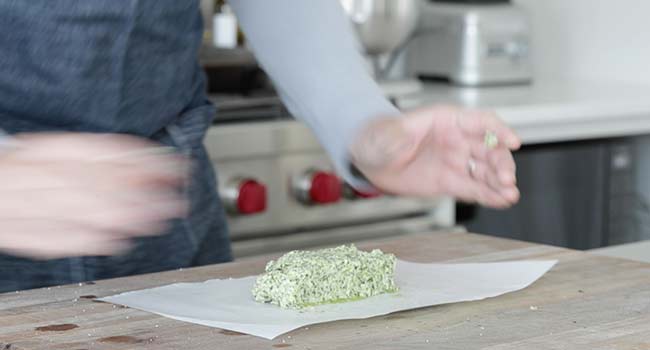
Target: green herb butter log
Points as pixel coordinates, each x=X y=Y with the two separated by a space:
x=307 y=278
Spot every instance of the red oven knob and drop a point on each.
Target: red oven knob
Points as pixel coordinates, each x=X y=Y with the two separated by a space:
x=318 y=187
x=325 y=188
x=252 y=197
x=245 y=197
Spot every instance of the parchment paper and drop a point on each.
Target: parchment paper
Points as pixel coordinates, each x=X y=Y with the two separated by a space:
x=228 y=303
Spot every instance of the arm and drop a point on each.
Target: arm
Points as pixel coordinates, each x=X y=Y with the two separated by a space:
x=308 y=49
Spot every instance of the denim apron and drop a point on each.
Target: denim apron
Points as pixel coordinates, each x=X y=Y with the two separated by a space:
x=113 y=66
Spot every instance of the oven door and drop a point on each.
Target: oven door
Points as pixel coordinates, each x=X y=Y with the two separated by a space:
x=337 y=236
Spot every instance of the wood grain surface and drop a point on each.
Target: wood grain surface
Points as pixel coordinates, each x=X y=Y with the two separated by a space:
x=584 y=302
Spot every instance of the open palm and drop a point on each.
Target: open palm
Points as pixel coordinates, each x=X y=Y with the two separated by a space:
x=440 y=151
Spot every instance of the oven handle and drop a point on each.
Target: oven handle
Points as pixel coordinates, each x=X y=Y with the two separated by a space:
x=337 y=236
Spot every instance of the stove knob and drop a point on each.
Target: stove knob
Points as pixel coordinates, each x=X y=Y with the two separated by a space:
x=245 y=197
x=318 y=187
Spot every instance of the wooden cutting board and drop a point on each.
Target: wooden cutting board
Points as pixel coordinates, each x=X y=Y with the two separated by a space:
x=584 y=302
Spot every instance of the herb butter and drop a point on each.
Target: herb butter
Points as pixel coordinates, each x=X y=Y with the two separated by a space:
x=490 y=139
x=306 y=278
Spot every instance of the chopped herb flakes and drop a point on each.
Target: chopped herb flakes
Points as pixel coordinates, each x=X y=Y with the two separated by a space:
x=307 y=278
x=490 y=139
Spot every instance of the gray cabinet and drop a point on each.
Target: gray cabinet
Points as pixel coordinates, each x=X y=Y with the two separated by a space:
x=580 y=195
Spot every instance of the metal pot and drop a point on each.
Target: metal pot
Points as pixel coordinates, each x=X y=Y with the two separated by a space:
x=382 y=25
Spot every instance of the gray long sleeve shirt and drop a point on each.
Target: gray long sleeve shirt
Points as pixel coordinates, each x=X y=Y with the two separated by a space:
x=309 y=50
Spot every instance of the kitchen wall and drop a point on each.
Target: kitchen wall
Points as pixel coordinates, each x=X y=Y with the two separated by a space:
x=598 y=40
x=595 y=39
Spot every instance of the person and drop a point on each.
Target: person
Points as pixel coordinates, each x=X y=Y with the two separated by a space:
x=95 y=93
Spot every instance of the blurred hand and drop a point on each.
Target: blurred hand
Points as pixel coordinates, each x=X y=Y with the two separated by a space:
x=73 y=194
x=440 y=151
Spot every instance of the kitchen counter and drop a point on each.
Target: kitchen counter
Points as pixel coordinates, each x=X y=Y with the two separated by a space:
x=552 y=111
x=584 y=302
x=638 y=251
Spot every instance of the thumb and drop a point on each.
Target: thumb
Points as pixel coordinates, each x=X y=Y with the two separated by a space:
x=383 y=142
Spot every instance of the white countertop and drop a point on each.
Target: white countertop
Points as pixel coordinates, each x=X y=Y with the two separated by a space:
x=552 y=111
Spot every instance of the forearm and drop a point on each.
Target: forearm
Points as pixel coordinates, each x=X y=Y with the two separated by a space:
x=308 y=49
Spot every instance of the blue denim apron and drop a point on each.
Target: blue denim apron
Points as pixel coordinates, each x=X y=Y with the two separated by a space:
x=113 y=66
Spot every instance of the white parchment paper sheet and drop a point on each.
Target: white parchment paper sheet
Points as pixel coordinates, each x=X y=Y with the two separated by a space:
x=228 y=303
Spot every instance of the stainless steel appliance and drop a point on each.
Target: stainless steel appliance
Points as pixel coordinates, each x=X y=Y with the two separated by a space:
x=472 y=42
x=280 y=191
x=382 y=25
x=384 y=28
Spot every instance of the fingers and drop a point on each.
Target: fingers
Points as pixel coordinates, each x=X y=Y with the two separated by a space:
x=488 y=182
x=120 y=213
x=164 y=171
x=497 y=178
x=469 y=190
x=80 y=146
x=503 y=166
x=34 y=165
x=476 y=123
x=160 y=165
x=75 y=194
x=499 y=161
x=61 y=240
x=483 y=173
x=497 y=169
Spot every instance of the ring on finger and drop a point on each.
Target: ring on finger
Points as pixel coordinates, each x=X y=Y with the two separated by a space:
x=471 y=167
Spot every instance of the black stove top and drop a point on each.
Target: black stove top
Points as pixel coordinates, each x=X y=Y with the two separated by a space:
x=233 y=108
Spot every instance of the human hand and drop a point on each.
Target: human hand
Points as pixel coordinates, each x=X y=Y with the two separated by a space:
x=440 y=151
x=73 y=194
